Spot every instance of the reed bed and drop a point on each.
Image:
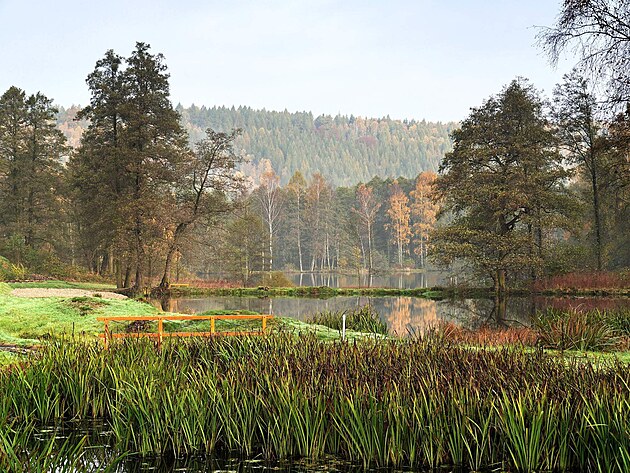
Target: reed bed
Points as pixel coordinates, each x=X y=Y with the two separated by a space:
x=419 y=403
x=362 y=319
x=600 y=330
x=585 y=280
x=572 y=329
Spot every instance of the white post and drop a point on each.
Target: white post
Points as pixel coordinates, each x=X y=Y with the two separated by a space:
x=343 y=326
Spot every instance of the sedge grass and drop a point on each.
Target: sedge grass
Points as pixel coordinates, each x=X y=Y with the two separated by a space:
x=417 y=403
x=363 y=319
x=600 y=330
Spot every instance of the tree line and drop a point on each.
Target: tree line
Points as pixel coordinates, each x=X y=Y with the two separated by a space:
x=310 y=225
x=344 y=149
x=123 y=202
x=532 y=186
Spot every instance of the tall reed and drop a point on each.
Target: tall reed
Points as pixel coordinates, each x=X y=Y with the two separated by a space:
x=417 y=402
x=598 y=330
x=362 y=319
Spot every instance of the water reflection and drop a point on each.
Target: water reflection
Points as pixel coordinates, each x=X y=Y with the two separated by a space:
x=98 y=455
x=393 y=280
x=402 y=314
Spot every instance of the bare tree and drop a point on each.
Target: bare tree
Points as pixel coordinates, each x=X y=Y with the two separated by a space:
x=598 y=31
x=209 y=182
x=367 y=210
x=270 y=201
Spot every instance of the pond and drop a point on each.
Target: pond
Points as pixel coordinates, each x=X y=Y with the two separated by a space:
x=96 y=437
x=402 y=280
x=402 y=314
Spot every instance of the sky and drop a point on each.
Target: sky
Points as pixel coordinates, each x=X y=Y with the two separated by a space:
x=419 y=59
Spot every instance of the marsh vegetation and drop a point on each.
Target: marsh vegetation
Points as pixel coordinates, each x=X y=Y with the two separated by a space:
x=422 y=402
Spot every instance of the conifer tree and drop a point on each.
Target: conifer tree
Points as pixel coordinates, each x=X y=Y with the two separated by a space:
x=31 y=154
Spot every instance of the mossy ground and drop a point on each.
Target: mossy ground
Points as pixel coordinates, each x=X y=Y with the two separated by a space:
x=28 y=321
x=25 y=321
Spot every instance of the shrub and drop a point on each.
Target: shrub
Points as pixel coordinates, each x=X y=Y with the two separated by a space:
x=363 y=319
x=575 y=330
x=12 y=272
x=276 y=279
x=585 y=281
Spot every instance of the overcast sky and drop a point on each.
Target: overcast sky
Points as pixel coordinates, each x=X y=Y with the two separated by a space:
x=402 y=58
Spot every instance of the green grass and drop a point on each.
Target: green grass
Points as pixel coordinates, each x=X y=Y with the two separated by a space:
x=305 y=291
x=594 y=330
x=8 y=358
x=364 y=319
x=24 y=321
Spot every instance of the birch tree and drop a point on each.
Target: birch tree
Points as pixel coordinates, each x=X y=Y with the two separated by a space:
x=268 y=195
x=367 y=208
x=424 y=210
x=399 y=213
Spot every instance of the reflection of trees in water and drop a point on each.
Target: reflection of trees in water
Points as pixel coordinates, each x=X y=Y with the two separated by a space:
x=410 y=314
x=469 y=313
x=400 y=280
x=398 y=315
x=402 y=314
x=497 y=312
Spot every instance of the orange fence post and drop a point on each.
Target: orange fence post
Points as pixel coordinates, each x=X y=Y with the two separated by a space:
x=160 y=334
x=106 y=339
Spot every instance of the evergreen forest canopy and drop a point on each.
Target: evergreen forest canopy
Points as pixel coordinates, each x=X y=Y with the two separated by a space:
x=346 y=150
x=532 y=186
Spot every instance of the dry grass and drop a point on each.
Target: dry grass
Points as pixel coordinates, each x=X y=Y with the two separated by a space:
x=585 y=281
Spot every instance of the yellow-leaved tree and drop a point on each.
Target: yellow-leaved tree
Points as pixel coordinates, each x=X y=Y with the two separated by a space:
x=399 y=215
x=424 y=210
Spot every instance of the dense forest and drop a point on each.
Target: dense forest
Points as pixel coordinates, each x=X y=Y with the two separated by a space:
x=345 y=149
x=139 y=191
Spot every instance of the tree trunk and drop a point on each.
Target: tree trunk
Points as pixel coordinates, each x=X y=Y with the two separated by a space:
x=165 y=283
x=598 y=227
x=270 y=246
x=422 y=252
x=499 y=282
x=299 y=234
x=370 y=248
x=119 y=278
x=128 y=276
x=110 y=256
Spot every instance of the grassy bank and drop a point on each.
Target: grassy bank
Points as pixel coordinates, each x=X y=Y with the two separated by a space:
x=436 y=293
x=305 y=291
x=27 y=320
x=418 y=403
x=59 y=284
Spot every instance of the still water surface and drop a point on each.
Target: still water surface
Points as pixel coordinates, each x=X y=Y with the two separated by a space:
x=402 y=314
x=395 y=280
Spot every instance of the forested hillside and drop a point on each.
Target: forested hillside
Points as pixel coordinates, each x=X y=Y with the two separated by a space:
x=346 y=150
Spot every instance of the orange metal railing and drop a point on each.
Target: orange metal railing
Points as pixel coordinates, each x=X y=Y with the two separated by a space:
x=108 y=335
